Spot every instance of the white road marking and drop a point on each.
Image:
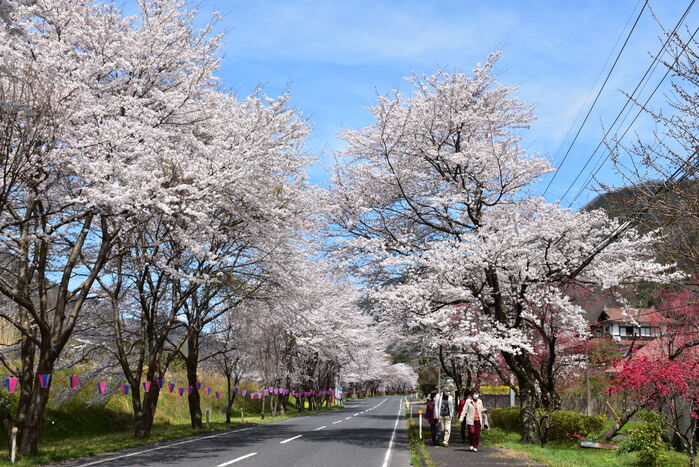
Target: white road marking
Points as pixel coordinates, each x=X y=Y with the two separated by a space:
x=237 y=459
x=390 y=444
x=287 y=440
x=347 y=418
x=337 y=422
x=355 y=415
x=320 y=428
x=165 y=447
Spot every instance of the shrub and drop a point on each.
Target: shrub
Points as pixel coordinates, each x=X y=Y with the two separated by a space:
x=647 y=440
x=506 y=419
x=564 y=423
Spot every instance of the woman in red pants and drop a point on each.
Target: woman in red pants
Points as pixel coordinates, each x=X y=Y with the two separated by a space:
x=474 y=415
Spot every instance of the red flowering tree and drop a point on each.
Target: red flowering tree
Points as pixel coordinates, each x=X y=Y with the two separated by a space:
x=670 y=386
x=680 y=308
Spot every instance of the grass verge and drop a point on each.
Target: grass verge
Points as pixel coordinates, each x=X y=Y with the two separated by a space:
x=419 y=454
x=566 y=454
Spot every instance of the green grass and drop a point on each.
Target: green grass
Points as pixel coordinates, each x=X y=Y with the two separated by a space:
x=565 y=454
x=419 y=454
x=77 y=430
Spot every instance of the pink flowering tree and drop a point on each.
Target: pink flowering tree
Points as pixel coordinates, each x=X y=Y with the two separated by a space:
x=670 y=386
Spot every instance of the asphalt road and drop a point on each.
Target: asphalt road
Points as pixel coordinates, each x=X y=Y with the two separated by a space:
x=369 y=432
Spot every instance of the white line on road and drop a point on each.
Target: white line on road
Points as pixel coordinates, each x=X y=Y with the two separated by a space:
x=320 y=428
x=355 y=415
x=390 y=444
x=165 y=447
x=287 y=440
x=337 y=422
x=237 y=459
x=347 y=418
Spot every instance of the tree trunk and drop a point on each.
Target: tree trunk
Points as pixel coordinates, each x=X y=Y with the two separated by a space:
x=32 y=413
x=625 y=417
x=144 y=413
x=527 y=400
x=192 y=362
x=230 y=398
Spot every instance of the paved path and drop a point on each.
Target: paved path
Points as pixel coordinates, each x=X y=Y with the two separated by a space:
x=458 y=454
x=369 y=432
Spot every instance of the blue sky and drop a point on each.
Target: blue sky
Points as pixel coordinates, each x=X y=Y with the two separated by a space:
x=336 y=56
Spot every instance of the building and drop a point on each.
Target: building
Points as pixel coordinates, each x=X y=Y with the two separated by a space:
x=627 y=324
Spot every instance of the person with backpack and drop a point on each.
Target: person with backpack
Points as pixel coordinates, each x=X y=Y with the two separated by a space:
x=431 y=417
x=444 y=407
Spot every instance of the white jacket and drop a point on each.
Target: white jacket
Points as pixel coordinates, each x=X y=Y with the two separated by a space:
x=469 y=412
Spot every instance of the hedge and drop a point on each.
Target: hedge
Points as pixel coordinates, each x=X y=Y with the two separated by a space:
x=564 y=422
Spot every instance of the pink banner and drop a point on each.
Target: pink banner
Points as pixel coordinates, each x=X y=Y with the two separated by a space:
x=146 y=386
x=102 y=387
x=181 y=391
x=171 y=387
x=73 y=382
x=125 y=389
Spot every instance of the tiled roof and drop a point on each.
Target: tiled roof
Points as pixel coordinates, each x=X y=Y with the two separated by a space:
x=627 y=315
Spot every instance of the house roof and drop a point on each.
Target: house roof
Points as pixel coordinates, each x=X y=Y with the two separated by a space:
x=627 y=315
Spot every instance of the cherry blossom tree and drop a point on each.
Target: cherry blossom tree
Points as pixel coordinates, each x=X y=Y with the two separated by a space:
x=433 y=207
x=94 y=106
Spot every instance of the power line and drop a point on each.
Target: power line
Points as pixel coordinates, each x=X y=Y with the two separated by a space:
x=640 y=111
x=606 y=79
x=574 y=123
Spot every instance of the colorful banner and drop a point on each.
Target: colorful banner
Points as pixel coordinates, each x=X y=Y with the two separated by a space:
x=160 y=382
x=198 y=386
x=266 y=392
x=171 y=387
x=208 y=391
x=102 y=387
x=236 y=390
x=218 y=394
x=74 y=382
x=11 y=384
x=44 y=380
x=125 y=389
x=181 y=391
x=245 y=391
x=146 y=386
x=189 y=389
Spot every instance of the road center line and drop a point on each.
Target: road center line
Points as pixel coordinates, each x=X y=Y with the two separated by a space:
x=320 y=428
x=390 y=444
x=165 y=447
x=347 y=418
x=355 y=415
x=337 y=422
x=286 y=440
x=237 y=459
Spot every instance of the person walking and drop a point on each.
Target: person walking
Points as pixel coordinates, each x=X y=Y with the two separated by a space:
x=475 y=417
x=444 y=406
x=431 y=417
